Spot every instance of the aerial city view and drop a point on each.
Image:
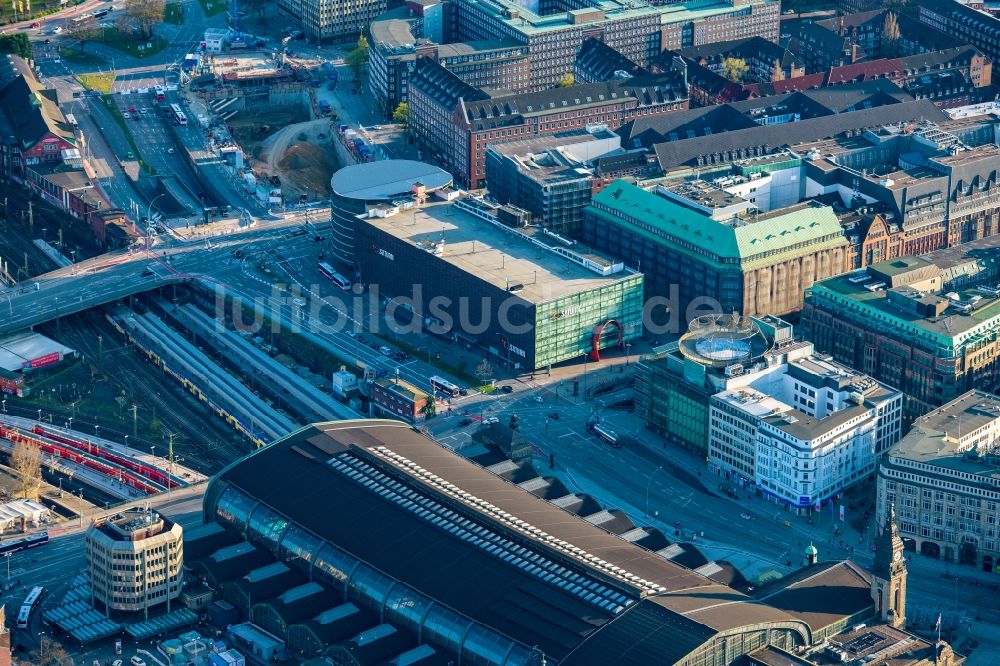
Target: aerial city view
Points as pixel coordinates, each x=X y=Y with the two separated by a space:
x=499 y=333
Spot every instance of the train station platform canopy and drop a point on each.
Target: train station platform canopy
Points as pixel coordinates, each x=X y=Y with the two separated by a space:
x=164 y=624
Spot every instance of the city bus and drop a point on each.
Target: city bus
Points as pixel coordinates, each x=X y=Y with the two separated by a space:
x=28 y=607
x=441 y=385
x=608 y=435
x=326 y=270
x=176 y=115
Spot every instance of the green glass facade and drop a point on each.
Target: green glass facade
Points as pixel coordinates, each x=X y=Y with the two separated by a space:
x=677 y=410
x=564 y=327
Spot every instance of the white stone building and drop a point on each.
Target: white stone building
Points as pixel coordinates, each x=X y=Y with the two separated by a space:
x=804 y=432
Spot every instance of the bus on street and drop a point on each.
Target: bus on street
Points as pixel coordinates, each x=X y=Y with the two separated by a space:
x=608 y=435
x=29 y=606
x=441 y=385
x=326 y=270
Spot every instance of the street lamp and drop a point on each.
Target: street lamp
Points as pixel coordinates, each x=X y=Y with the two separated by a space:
x=149 y=216
x=126 y=441
x=628 y=347
x=648 y=484
x=39 y=415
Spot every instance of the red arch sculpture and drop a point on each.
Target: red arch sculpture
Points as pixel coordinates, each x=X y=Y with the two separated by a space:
x=595 y=340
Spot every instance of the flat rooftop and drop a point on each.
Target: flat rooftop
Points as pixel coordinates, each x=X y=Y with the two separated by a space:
x=966 y=259
x=522 y=19
x=496 y=254
x=19 y=349
x=936 y=438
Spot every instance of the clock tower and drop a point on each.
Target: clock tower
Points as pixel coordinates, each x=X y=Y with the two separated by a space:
x=889 y=574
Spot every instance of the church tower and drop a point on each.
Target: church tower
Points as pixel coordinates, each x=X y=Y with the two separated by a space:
x=889 y=574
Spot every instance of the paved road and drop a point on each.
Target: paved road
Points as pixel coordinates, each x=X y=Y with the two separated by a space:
x=53 y=566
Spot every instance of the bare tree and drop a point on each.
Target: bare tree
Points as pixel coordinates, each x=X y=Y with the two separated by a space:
x=484 y=370
x=83 y=34
x=146 y=13
x=26 y=460
x=50 y=653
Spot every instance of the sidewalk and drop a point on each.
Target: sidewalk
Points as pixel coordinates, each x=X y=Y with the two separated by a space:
x=820 y=532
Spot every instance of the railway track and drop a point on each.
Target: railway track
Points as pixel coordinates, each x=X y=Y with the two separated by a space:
x=204 y=442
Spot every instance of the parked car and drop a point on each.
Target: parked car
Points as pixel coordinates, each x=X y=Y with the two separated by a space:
x=127 y=115
x=463 y=391
x=554 y=416
x=386 y=351
x=136 y=660
x=507 y=388
x=745 y=516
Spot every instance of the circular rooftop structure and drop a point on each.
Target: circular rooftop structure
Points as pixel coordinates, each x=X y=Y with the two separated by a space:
x=386 y=179
x=722 y=340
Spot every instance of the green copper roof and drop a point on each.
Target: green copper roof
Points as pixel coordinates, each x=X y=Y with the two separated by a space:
x=772 y=233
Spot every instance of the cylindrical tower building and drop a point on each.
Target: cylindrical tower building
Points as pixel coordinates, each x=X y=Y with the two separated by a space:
x=359 y=187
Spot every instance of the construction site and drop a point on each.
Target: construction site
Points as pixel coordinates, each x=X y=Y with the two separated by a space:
x=269 y=108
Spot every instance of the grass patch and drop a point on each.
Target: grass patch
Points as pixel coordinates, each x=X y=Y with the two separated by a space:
x=133 y=45
x=81 y=58
x=213 y=7
x=101 y=82
x=174 y=13
x=120 y=119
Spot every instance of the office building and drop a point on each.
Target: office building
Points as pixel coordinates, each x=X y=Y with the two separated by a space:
x=401 y=36
x=805 y=433
x=898 y=189
x=358 y=187
x=706 y=250
x=639 y=30
x=943 y=478
x=478 y=272
x=527 y=580
x=596 y=62
x=399 y=399
x=330 y=20
x=857 y=36
x=551 y=177
x=454 y=123
x=927 y=325
x=963 y=21
x=673 y=385
x=135 y=560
